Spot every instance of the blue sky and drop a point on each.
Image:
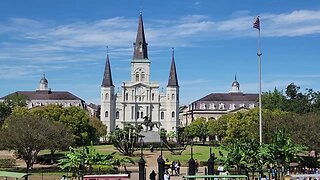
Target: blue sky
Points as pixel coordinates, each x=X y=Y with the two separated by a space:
x=213 y=41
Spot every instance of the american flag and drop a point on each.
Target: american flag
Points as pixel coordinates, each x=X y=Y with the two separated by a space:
x=256 y=24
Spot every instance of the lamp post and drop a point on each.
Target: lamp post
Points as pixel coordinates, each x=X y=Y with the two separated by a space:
x=161 y=163
x=192 y=162
x=211 y=163
x=142 y=163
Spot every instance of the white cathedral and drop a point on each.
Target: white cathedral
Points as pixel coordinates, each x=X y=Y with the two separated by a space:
x=140 y=97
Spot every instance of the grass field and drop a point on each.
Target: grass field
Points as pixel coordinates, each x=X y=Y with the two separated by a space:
x=201 y=153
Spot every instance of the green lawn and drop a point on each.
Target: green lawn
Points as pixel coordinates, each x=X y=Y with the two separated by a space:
x=201 y=153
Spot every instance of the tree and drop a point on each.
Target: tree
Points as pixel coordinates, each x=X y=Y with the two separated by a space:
x=171 y=135
x=242 y=126
x=99 y=129
x=16 y=100
x=76 y=160
x=248 y=155
x=124 y=140
x=50 y=112
x=60 y=138
x=292 y=91
x=198 y=128
x=77 y=120
x=27 y=135
x=274 y=100
x=5 y=111
x=293 y=100
x=283 y=149
x=217 y=127
x=10 y=102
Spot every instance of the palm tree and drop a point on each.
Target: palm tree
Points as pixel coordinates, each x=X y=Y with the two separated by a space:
x=284 y=150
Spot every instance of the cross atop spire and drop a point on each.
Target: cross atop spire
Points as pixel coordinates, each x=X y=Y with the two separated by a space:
x=140 y=46
x=107 y=78
x=173 y=78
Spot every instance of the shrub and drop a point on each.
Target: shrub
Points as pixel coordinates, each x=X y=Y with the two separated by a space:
x=7 y=163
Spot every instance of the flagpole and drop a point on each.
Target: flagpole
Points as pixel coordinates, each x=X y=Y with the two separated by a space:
x=260 y=104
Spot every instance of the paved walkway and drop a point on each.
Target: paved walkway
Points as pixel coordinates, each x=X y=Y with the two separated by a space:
x=150 y=158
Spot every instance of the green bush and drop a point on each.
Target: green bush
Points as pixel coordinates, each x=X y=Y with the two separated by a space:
x=7 y=163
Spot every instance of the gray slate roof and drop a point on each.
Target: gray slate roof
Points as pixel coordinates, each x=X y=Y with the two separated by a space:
x=47 y=95
x=140 y=41
x=173 y=78
x=107 y=77
x=230 y=97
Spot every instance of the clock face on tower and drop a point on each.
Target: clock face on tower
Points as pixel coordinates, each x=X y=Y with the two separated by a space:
x=141 y=90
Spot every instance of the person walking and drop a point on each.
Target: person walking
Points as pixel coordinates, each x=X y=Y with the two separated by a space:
x=178 y=167
x=166 y=176
x=153 y=175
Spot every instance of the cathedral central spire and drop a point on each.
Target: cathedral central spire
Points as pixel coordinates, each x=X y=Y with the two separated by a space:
x=140 y=46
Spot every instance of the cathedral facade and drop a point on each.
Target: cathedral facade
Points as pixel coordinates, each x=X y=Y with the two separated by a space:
x=140 y=98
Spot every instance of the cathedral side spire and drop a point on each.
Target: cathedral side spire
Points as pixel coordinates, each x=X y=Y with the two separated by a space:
x=173 y=78
x=107 y=78
x=140 y=46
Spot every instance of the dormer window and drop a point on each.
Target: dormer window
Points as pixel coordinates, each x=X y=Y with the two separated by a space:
x=221 y=106
x=251 y=106
x=232 y=106
x=212 y=106
x=202 y=106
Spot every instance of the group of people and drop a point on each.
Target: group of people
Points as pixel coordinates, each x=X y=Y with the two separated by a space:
x=175 y=166
x=153 y=175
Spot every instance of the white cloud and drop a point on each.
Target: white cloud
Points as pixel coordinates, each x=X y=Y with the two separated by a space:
x=39 y=42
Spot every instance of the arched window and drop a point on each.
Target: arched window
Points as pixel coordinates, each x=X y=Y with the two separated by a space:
x=106 y=114
x=172 y=96
x=142 y=76
x=137 y=76
x=127 y=96
x=141 y=114
x=106 y=97
x=138 y=115
x=162 y=115
x=152 y=96
x=117 y=115
x=172 y=114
